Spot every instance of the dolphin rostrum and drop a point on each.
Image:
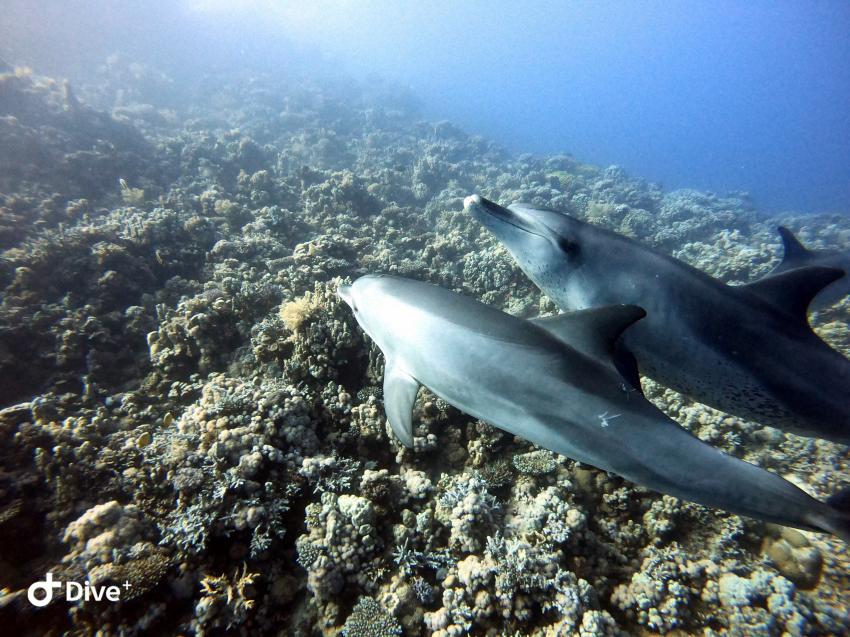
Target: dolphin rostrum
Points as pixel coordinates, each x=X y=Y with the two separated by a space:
x=552 y=382
x=798 y=256
x=747 y=350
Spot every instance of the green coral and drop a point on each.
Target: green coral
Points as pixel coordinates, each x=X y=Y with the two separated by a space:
x=535 y=463
x=498 y=473
x=369 y=619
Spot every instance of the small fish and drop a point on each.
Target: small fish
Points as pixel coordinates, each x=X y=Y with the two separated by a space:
x=553 y=381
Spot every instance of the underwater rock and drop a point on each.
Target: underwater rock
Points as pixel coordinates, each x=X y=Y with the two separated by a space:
x=794 y=557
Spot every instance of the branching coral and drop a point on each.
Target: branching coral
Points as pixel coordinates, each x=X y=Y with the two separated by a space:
x=227 y=601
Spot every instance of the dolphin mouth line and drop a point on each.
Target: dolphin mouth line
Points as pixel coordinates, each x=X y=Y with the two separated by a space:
x=518 y=227
x=497 y=212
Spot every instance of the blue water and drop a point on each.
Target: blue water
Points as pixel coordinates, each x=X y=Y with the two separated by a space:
x=720 y=96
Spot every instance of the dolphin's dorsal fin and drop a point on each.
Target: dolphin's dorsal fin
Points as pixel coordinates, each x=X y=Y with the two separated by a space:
x=594 y=333
x=795 y=252
x=792 y=290
x=400 y=390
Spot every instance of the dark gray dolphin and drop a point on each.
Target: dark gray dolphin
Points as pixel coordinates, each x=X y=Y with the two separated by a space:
x=565 y=395
x=796 y=255
x=747 y=350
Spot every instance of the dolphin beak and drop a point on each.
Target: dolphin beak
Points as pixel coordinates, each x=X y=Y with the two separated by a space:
x=344 y=292
x=476 y=205
x=485 y=210
x=472 y=200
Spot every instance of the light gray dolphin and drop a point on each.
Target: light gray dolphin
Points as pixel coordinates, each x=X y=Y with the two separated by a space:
x=553 y=383
x=796 y=255
x=746 y=350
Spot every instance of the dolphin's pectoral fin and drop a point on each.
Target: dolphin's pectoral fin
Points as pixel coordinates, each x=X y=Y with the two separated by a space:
x=795 y=252
x=593 y=332
x=793 y=290
x=400 y=390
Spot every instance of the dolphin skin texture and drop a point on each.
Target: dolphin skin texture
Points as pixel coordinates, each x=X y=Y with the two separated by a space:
x=747 y=350
x=522 y=377
x=798 y=256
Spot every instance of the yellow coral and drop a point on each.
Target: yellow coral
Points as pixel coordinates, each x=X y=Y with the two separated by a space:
x=297 y=312
x=234 y=592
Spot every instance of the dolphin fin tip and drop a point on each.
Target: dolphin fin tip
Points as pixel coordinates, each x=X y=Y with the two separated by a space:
x=794 y=249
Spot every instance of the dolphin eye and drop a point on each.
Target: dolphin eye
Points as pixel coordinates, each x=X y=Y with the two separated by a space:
x=566 y=246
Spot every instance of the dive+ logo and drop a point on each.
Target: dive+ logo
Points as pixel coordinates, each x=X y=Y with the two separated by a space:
x=41 y=593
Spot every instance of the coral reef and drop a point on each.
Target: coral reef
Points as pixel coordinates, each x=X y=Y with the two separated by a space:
x=188 y=407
